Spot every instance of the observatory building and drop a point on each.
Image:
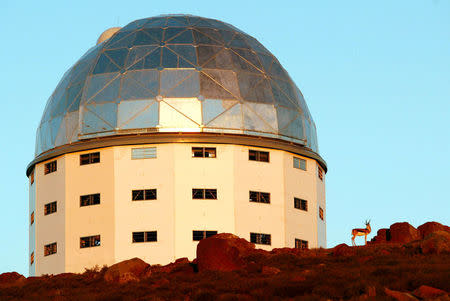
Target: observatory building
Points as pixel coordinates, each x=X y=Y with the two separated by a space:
x=170 y=130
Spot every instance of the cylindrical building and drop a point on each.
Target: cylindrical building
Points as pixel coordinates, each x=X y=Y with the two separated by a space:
x=169 y=130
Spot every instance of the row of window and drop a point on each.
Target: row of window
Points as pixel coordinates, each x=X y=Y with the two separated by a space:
x=197 y=152
x=152 y=236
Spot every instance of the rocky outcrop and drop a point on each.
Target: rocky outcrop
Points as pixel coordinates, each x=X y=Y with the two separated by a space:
x=403 y=233
x=400 y=296
x=430 y=227
x=436 y=243
x=222 y=252
x=11 y=278
x=343 y=250
x=126 y=271
x=428 y=292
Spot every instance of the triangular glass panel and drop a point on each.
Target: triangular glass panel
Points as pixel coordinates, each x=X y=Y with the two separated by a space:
x=54 y=125
x=285 y=116
x=266 y=61
x=155 y=22
x=222 y=60
x=230 y=119
x=148 y=37
x=105 y=65
x=226 y=79
x=255 y=45
x=187 y=52
x=72 y=126
x=177 y=21
x=239 y=42
x=260 y=117
x=170 y=33
x=212 y=108
x=179 y=83
x=169 y=59
x=294 y=129
x=278 y=71
x=137 y=114
x=281 y=98
x=118 y=56
x=75 y=104
x=206 y=36
x=131 y=89
x=99 y=117
x=183 y=38
x=249 y=56
x=204 y=23
x=242 y=64
x=288 y=88
x=209 y=88
x=207 y=53
x=121 y=39
x=151 y=61
x=135 y=25
x=227 y=36
x=139 y=52
x=187 y=114
x=103 y=88
x=193 y=20
x=255 y=88
x=61 y=136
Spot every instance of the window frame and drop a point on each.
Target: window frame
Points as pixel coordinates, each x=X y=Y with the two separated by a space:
x=91 y=158
x=50 y=249
x=50 y=167
x=90 y=199
x=204 y=234
x=143 y=153
x=147 y=194
x=32 y=218
x=206 y=193
x=146 y=235
x=261 y=238
x=203 y=151
x=320 y=173
x=50 y=208
x=261 y=197
x=301 y=244
x=321 y=214
x=257 y=155
x=299 y=163
x=90 y=241
x=300 y=204
x=32 y=258
x=32 y=178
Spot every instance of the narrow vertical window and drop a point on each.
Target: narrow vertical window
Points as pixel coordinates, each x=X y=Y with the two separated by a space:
x=32 y=177
x=320 y=173
x=299 y=163
x=198 y=235
x=260 y=238
x=301 y=244
x=90 y=158
x=50 y=208
x=90 y=241
x=254 y=155
x=31 y=258
x=50 y=249
x=32 y=218
x=301 y=204
x=321 y=213
x=50 y=167
x=143 y=153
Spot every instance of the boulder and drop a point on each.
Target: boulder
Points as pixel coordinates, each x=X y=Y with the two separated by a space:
x=428 y=292
x=222 y=252
x=400 y=296
x=343 y=250
x=431 y=227
x=403 y=233
x=383 y=235
x=436 y=243
x=11 y=278
x=126 y=271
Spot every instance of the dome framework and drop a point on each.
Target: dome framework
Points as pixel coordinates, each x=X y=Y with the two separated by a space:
x=176 y=73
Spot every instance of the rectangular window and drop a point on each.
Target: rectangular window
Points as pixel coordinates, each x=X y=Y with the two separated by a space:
x=32 y=177
x=50 y=208
x=90 y=199
x=301 y=244
x=143 y=194
x=32 y=218
x=143 y=153
x=260 y=238
x=147 y=236
x=320 y=173
x=254 y=155
x=90 y=158
x=299 y=163
x=259 y=197
x=301 y=204
x=50 y=249
x=204 y=194
x=90 y=241
x=321 y=213
x=31 y=258
x=50 y=167
x=199 y=235
x=203 y=152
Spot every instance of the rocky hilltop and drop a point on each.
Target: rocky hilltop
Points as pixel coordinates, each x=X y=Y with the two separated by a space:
x=400 y=263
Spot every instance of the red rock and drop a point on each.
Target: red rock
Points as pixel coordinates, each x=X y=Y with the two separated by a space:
x=400 y=296
x=270 y=270
x=298 y=278
x=428 y=292
x=403 y=233
x=126 y=271
x=343 y=250
x=436 y=243
x=222 y=252
x=11 y=278
x=430 y=227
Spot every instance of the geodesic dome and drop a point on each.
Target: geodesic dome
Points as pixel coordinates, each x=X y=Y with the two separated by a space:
x=176 y=73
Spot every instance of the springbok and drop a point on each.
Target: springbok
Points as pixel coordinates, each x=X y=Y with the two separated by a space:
x=361 y=232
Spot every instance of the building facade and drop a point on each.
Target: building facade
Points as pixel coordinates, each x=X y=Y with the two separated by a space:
x=172 y=129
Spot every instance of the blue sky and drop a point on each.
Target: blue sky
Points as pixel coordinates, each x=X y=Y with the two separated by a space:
x=375 y=75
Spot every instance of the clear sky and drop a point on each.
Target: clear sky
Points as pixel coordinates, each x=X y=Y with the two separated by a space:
x=375 y=75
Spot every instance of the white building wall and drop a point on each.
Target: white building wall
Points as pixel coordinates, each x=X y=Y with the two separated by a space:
x=32 y=229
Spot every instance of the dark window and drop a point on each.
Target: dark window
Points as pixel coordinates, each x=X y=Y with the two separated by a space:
x=202 y=194
x=203 y=152
x=255 y=155
x=320 y=173
x=260 y=197
x=50 y=249
x=89 y=241
x=32 y=218
x=301 y=204
x=50 y=208
x=31 y=258
x=199 y=235
x=299 y=163
x=321 y=213
x=301 y=244
x=144 y=194
x=260 y=238
x=50 y=167
x=147 y=236
x=90 y=199
x=89 y=158
x=32 y=177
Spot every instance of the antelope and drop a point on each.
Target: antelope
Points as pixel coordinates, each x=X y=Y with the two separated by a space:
x=361 y=232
